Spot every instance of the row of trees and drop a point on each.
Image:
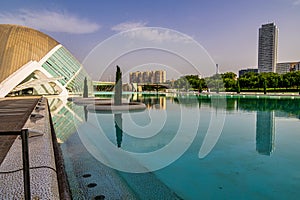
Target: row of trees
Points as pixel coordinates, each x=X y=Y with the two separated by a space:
x=270 y=80
x=190 y=82
x=250 y=81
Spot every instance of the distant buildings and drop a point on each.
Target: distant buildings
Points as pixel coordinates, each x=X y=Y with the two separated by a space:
x=282 y=68
x=267 y=48
x=158 y=76
x=267 y=53
x=244 y=71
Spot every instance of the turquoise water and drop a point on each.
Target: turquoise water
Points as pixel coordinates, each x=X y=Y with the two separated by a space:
x=255 y=155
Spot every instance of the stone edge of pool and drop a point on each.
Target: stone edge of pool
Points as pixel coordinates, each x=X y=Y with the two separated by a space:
x=47 y=175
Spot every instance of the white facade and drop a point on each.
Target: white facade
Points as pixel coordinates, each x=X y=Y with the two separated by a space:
x=65 y=75
x=16 y=78
x=157 y=76
x=267 y=48
x=285 y=67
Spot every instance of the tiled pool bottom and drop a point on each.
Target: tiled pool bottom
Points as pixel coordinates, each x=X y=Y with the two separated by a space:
x=90 y=179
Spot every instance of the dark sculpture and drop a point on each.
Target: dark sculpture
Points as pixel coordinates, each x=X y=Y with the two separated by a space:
x=85 y=89
x=118 y=87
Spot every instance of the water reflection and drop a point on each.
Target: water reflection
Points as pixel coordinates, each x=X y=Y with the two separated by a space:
x=85 y=113
x=118 y=127
x=65 y=114
x=152 y=101
x=283 y=106
x=234 y=164
x=267 y=108
x=265 y=132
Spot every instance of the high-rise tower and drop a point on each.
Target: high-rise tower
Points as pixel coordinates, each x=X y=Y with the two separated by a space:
x=267 y=48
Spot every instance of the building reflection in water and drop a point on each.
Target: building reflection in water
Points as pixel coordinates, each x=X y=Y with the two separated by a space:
x=265 y=132
x=158 y=102
x=65 y=116
x=155 y=101
x=85 y=113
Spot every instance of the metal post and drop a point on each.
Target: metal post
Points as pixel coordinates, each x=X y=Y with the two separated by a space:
x=25 y=156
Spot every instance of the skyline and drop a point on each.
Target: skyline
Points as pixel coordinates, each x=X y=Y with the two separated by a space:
x=228 y=31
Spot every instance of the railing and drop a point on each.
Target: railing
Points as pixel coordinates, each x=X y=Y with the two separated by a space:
x=11 y=124
x=25 y=157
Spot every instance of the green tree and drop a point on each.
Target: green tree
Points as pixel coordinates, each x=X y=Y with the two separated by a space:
x=229 y=75
x=192 y=82
x=274 y=79
x=265 y=85
x=214 y=83
x=238 y=88
x=229 y=80
x=250 y=80
x=286 y=80
x=262 y=79
x=296 y=79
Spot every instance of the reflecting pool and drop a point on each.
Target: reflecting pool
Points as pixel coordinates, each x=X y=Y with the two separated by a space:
x=183 y=147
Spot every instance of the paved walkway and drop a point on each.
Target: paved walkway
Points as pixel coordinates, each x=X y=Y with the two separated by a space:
x=5 y=143
x=16 y=114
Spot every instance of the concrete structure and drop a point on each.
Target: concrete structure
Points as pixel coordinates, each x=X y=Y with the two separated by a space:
x=244 y=71
x=34 y=63
x=282 y=68
x=158 y=76
x=267 y=48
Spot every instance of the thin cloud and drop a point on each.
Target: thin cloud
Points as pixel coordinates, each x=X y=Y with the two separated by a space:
x=125 y=26
x=157 y=35
x=139 y=30
x=296 y=2
x=50 y=21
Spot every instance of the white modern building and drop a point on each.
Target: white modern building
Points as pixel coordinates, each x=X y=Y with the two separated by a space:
x=32 y=62
x=285 y=67
x=157 y=76
x=267 y=48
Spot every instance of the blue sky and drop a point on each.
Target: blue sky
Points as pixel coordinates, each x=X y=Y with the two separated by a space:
x=226 y=29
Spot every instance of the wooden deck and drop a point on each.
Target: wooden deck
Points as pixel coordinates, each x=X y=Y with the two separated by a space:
x=14 y=112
